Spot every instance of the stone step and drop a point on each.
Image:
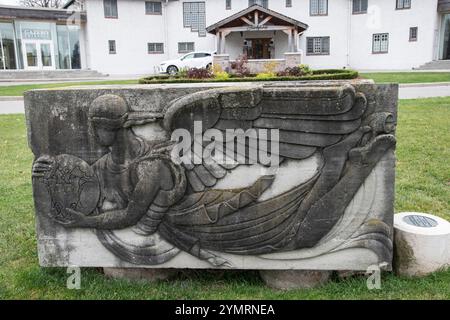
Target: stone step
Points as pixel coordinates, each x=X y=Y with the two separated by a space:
x=49 y=74
x=435 y=65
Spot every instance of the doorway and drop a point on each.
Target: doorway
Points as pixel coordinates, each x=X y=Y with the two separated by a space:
x=259 y=48
x=38 y=55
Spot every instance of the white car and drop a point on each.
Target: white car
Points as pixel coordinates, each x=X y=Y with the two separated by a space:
x=198 y=59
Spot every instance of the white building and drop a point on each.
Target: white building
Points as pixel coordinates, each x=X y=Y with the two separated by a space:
x=134 y=36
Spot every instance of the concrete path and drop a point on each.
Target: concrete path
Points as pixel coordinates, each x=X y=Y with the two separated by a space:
x=7 y=82
x=10 y=105
x=426 y=90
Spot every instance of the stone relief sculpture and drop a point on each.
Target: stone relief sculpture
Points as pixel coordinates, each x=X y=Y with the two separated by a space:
x=329 y=143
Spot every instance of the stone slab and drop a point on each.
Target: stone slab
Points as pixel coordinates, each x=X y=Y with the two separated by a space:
x=107 y=194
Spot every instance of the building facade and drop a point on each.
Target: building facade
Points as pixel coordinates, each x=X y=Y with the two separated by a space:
x=134 y=36
x=41 y=39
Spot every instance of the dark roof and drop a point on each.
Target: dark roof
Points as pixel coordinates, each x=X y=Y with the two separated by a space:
x=15 y=12
x=277 y=19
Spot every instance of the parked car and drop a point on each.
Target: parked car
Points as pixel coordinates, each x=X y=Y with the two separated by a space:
x=199 y=59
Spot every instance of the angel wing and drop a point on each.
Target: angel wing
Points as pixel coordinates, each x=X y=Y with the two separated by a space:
x=308 y=119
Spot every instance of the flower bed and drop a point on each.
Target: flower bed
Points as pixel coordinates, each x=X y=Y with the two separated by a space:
x=326 y=74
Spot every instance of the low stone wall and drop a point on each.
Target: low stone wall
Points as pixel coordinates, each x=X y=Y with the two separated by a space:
x=261 y=65
x=108 y=193
x=255 y=66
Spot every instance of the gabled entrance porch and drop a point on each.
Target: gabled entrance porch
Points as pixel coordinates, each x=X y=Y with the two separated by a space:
x=261 y=34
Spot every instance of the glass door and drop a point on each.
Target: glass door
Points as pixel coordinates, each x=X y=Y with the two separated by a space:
x=47 y=55
x=30 y=56
x=39 y=55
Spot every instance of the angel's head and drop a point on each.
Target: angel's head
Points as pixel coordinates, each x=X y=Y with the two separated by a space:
x=107 y=115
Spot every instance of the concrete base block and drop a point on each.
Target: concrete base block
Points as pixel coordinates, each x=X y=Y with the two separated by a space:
x=421 y=244
x=150 y=275
x=294 y=279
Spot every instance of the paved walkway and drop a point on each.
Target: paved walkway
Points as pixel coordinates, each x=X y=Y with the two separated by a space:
x=428 y=90
x=10 y=105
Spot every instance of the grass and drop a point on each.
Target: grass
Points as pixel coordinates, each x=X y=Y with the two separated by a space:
x=423 y=184
x=18 y=90
x=407 y=77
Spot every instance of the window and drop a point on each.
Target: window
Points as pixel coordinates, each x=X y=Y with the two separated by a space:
x=112 y=46
x=413 y=32
x=318 y=7
x=288 y=3
x=184 y=47
x=403 y=4
x=188 y=56
x=194 y=17
x=153 y=7
x=318 y=45
x=110 y=8
x=227 y=4
x=360 y=6
x=7 y=47
x=380 y=43
x=201 y=55
x=262 y=3
x=155 y=47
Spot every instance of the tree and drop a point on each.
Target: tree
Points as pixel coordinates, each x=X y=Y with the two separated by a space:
x=42 y=3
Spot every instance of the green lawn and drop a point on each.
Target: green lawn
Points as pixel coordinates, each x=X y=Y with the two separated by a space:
x=423 y=184
x=407 y=77
x=18 y=90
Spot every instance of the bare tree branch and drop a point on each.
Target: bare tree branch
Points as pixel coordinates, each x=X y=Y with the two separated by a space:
x=42 y=3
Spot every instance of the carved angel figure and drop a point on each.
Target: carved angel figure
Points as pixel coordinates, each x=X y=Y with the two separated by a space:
x=328 y=145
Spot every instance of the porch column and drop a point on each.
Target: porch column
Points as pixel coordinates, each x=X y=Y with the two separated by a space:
x=218 y=37
x=222 y=42
x=223 y=34
x=289 y=40
x=296 y=37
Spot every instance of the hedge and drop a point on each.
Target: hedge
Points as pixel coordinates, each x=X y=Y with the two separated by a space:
x=326 y=74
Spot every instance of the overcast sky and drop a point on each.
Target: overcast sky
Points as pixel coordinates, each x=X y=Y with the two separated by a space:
x=11 y=2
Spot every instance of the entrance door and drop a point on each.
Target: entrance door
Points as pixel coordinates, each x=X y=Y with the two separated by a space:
x=38 y=55
x=258 y=48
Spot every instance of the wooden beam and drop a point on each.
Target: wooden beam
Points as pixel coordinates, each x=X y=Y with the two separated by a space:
x=247 y=21
x=257 y=28
x=265 y=21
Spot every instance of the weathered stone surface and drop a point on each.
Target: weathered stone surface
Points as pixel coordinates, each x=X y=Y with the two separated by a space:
x=294 y=279
x=421 y=244
x=146 y=274
x=108 y=193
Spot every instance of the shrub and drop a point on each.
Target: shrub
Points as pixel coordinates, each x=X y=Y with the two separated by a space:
x=222 y=75
x=239 y=66
x=265 y=75
x=219 y=73
x=298 y=71
x=325 y=74
x=306 y=69
x=182 y=73
x=199 y=73
x=270 y=69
